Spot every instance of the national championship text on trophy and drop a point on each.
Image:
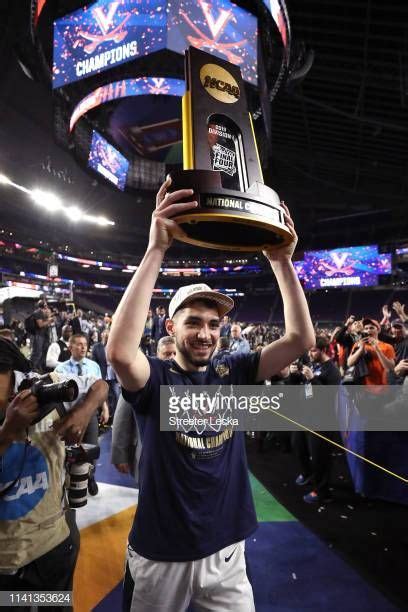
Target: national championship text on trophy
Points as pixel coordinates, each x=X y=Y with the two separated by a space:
x=236 y=210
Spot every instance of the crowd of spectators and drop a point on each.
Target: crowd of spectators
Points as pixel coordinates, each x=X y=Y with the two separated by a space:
x=371 y=350
x=46 y=343
x=365 y=351
x=45 y=327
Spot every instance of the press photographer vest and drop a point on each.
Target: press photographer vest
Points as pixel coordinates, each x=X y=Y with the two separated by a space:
x=32 y=520
x=32 y=512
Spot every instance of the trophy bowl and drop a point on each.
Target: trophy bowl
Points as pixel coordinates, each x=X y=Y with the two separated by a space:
x=229 y=220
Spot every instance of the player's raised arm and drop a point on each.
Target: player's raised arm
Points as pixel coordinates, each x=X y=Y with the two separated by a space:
x=129 y=363
x=299 y=332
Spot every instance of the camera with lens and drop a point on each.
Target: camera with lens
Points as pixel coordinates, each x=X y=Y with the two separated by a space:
x=302 y=361
x=299 y=365
x=364 y=335
x=50 y=395
x=297 y=376
x=78 y=462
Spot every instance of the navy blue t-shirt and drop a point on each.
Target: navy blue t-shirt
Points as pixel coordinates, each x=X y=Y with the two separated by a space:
x=192 y=501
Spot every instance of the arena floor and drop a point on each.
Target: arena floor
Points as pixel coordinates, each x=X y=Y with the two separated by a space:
x=291 y=567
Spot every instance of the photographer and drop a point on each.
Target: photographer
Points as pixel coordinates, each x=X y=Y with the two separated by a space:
x=39 y=540
x=40 y=322
x=295 y=375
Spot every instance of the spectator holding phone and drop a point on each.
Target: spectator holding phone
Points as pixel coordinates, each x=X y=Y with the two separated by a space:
x=379 y=356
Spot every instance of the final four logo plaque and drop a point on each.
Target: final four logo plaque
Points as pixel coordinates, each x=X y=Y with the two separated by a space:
x=236 y=210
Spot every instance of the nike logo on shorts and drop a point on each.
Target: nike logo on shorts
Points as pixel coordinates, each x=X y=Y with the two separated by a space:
x=229 y=558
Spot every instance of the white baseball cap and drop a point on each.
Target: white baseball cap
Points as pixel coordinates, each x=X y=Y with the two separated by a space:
x=188 y=293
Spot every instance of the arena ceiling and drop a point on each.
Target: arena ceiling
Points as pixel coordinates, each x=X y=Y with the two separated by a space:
x=339 y=150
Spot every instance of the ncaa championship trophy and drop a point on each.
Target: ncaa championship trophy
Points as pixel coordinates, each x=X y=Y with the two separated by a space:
x=236 y=211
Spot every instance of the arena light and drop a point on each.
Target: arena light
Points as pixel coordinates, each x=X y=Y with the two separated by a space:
x=98 y=220
x=103 y=221
x=4 y=180
x=74 y=213
x=47 y=200
x=52 y=203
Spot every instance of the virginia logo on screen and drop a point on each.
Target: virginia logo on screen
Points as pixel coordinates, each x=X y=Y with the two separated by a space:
x=106 y=26
x=339 y=266
x=109 y=32
x=159 y=86
x=217 y=28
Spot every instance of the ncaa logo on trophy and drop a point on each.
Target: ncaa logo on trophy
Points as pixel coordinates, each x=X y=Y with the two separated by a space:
x=236 y=211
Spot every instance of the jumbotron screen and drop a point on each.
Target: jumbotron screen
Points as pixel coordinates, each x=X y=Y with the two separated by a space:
x=357 y=266
x=218 y=27
x=107 y=160
x=105 y=34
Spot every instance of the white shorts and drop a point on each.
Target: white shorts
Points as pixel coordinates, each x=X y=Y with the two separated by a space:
x=217 y=583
